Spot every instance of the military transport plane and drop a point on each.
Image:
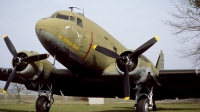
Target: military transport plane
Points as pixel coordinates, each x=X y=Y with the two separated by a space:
x=97 y=65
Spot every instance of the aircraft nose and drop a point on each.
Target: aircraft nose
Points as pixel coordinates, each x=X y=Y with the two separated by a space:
x=46 y=26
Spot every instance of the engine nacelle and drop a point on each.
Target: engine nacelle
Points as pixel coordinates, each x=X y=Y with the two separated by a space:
x=31 y=71
x=139 y=67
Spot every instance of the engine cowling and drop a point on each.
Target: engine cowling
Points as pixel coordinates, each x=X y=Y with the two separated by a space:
x=32 y=71
x=138 y=68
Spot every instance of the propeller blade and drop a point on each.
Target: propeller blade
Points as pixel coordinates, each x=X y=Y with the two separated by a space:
x=9 y=80
x=144 y=47
x=106 y=51
x=35 y=58
x=126 y=84
x=10 y=46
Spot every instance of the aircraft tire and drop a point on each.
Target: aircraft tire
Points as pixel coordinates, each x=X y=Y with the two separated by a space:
x=154 y=108
x=41 y=104
x=142 y=105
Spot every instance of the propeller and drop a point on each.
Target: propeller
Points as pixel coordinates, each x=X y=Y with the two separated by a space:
x=35 y=58
x=127 y=60
x=17 y=60
x=107 y=52
x=144 y=47
x=126 y=83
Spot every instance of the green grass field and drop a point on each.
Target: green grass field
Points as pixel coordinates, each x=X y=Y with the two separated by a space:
x=109 y=107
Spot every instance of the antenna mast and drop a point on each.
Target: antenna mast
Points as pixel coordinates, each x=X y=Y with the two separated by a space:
x=71 y=8
x=83 y=11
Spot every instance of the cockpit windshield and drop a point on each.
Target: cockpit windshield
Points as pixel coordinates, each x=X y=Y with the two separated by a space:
x=62 y=16
x=65 y=17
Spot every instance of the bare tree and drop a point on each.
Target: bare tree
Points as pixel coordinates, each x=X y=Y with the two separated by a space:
x=18 y=88
x=185 y=24
x=195 y=3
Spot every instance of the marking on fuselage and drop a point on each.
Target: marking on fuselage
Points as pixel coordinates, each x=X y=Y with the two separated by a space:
x=65 y=31
x=89 y=46
x=60 y=36
x=68 y=42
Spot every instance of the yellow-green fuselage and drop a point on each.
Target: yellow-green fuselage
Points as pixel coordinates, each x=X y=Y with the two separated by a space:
x=70 y=36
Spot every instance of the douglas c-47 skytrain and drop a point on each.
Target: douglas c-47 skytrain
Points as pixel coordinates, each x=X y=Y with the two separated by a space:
x=97 y=65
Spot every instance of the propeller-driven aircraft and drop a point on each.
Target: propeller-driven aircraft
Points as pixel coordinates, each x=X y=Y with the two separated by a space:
x=97 y=65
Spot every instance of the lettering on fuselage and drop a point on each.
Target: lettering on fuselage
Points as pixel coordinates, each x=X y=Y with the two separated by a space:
x=68 y=42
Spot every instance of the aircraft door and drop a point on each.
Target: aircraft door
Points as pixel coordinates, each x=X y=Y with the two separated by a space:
x=86 y=42
x=83 y=28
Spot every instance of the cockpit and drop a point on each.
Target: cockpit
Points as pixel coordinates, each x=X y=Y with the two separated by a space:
x=67 y=17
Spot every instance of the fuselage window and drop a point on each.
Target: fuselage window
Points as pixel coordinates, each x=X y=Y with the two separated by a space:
x=62 y=17
x=79 y=22
x=106 y=38
x=72 y=18
x=115 y=49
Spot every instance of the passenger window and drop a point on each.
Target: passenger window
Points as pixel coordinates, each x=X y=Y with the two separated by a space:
x=72 y=18
x=62 y=17
x=79 y=22
x=115 y=49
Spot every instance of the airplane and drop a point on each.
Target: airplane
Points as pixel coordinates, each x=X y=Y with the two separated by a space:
x=97 y=65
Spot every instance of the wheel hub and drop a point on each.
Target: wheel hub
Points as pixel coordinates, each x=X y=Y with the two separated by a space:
x=45 y=104
x=146 y=107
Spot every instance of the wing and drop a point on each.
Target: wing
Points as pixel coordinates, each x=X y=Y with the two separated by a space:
x=67 y=83
x=70 y=84
x=5 y=72
x=178 y=83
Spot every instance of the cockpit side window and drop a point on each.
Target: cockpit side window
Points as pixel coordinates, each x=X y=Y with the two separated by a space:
x=60 y=16
x=53 y=16
x=79 y=22
x=72 y=18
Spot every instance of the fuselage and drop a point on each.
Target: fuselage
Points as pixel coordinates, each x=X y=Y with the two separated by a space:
x=70 y=36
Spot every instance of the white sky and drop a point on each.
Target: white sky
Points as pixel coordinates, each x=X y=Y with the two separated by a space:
x=131 y=22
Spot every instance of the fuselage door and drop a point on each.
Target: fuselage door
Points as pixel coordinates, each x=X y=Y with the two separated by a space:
x=86 y=42
x=85 y=36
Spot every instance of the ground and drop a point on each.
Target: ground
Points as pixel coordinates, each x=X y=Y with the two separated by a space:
x=109 y=107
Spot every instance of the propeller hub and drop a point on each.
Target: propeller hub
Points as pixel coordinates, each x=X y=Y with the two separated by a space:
x=129 y=62
x=125 y=60
x=17 y=61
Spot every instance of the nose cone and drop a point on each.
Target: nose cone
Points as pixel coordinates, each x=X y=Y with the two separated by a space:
x=46 y=26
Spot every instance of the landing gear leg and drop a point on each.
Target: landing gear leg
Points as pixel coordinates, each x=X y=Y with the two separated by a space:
x=44 y=102
x=144 y=102
x=154 y=105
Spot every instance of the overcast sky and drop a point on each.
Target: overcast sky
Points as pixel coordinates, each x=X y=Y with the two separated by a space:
x=131 y=22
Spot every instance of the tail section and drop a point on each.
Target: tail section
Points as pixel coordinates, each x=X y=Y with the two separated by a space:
x=160 y=61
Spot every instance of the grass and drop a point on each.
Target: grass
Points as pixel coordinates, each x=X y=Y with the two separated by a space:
x=108 y=107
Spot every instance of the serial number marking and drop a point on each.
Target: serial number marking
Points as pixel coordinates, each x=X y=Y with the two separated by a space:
x=68 y=42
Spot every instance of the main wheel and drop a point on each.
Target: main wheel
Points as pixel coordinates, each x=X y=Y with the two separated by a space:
x=142 y=105
x=154 y=107
x=42 y=104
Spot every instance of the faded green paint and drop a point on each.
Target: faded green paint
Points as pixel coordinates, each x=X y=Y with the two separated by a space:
x=80 y=40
